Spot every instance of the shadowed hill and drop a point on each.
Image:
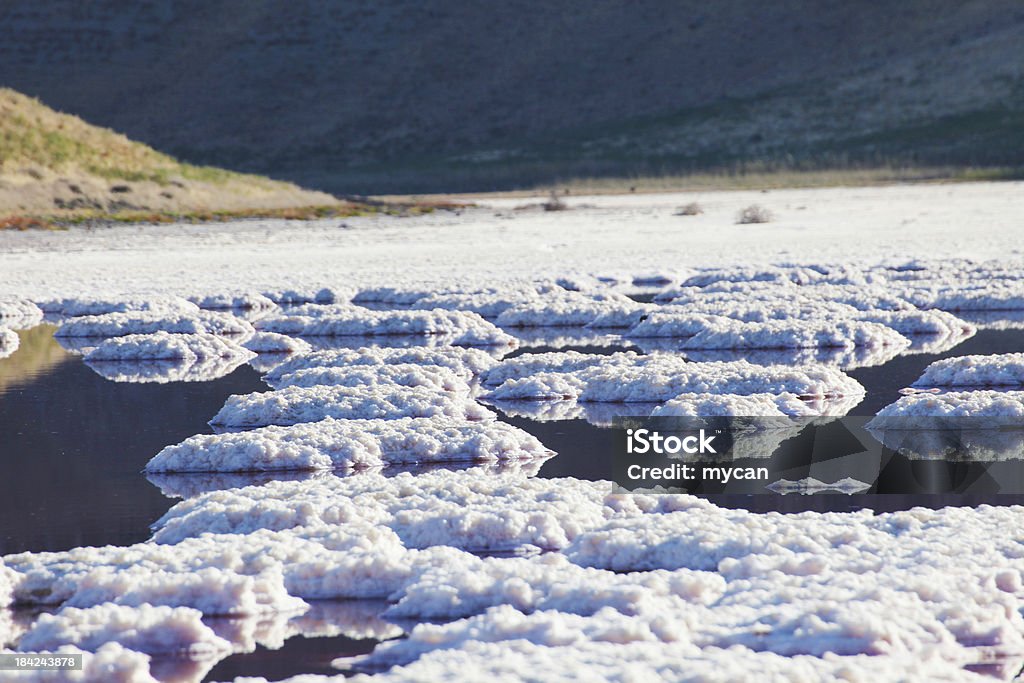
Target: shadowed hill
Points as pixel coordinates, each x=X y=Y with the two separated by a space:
x=390 y=95
x=54 y=162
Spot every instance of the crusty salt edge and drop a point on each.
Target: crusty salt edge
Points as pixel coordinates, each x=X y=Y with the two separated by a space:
x=466 y=362
x=142 y=322
x=9 y=342
x=348 y=443
x=294 y=405
x=19 y=313
x=981 y=409
x=795 y=334
x=239 y=300
x=1006 y=369
x=630 y=659
x=664 y=378
x=149 y=629
x=166 y=346
x=165 y=305
x=400 y=374
x=462 y=509
x=110 y=663
x=468 y=329
x=269 y=342
x=547 y=581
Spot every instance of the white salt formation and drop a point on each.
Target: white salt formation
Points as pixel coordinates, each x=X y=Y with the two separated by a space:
x=143 y=322
x=995 y=297
x=401 y=374
x=662 y=378
x=674 y=324
x=347 y=444
x=9 y=342
x=111 y=663
x=997 y=370
x=732 y=405
x=573 y=311
x=310 y=404
x=321 y=295
x=242 y=300
x=556 y=362
x=19 y=313
x=844 y=359
x=164 y=305
x=460 y=509
x=165 y=346
x=392 y=295
x=463 y=328
x=967 y=404
x=489 y=304
x=548 y=581
x=795 y=334
x=465 y=362
x=149 y=629
x=504 y=643
x=269 y=342
x=921 y=322
x=211 y=590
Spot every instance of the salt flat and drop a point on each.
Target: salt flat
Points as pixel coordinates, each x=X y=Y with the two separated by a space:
x=561 y=574
x=626 y=235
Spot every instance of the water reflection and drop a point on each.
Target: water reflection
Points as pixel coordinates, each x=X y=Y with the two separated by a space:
x=164 y=371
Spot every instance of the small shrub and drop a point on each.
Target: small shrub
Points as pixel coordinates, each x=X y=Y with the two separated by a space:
x=755 y=213
x=554 y=203
x=691 y=209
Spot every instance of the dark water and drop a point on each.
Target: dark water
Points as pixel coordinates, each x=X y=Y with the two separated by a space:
x=72 y=445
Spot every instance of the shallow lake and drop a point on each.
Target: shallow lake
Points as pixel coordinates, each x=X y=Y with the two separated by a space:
x=73 y=444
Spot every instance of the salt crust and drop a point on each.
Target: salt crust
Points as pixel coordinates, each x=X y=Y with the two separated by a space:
x=19 y=313
x=889 y=585
x=463 y=328
x=9 y=342
x=844 y=359
x=400 y=374
x=165 y=305
x=239 y=300
x=110 y=663
x=575 y=311
x=142 y=322
x=777 y=334
x=323 y=295
x=269 y=342
x=310 y=404
x=662 y=377
x=464 y=510
x=348 y=444
x=466 y=362
x=612 y=649
x=985 y=403
x=1006 y=369
x=548 y=581
x=165 y=346
x=487 y=304
x=145 y=628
